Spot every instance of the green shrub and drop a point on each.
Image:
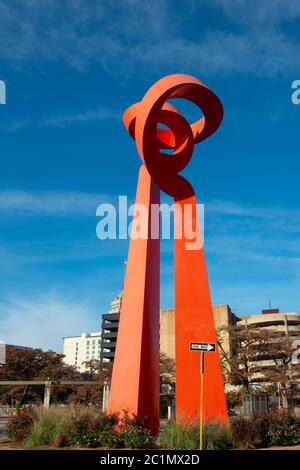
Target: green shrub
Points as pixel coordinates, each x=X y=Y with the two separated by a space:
x=85 y=430
x=44 y=429
x=186 y=437
x=65 y=426
x=112 y=439
x=217 y=437
x=131 y=433
x=134 y=431
x=176 y=436
x=261 y=423
x=81 y=431
x=284 y=430
x=137 y=438
x=20 y=426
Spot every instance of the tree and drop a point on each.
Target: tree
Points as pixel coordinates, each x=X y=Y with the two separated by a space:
x=167 y=370
x=96 y=371
x=257 y=355
x=35 y=364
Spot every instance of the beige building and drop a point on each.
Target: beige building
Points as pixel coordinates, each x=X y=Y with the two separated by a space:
x=223 y=316
x=287 y=323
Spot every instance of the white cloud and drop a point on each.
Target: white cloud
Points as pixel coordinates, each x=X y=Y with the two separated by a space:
x=130 y=35
x=257 y=11
x=287 y=219
x=44 y=320
x=55 y=203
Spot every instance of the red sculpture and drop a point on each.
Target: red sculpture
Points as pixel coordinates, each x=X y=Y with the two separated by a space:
x=135 y=379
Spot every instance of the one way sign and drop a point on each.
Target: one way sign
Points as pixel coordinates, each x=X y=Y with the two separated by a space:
x=207 y=347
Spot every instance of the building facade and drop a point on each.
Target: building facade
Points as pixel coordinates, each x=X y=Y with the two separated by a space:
x=281 y=323
x=101 y=345
x=223 y=316
x=80 y=349
x=279 y=326
x=109 y=330
x=286 y=323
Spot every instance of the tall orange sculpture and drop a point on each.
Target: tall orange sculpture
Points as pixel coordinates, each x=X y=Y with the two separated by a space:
x=135 y=378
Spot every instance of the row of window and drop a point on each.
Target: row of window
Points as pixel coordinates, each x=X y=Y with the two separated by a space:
x=93 y=356
x=88 y=342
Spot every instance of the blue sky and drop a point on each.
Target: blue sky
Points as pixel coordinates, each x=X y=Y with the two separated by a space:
x=71 y=68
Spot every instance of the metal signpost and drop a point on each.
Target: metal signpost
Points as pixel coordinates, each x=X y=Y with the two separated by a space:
x=202 y=348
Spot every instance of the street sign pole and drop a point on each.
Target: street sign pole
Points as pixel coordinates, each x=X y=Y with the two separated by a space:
x=202 y=348
x=201 y=398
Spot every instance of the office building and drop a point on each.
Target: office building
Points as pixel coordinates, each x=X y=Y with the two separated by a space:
x=78 y=350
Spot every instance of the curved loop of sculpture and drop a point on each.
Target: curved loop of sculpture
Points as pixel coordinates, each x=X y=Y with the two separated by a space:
x=135 y=378
x=142 y=120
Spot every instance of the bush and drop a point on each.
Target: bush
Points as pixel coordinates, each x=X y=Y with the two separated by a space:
x=234 y=399
x=284 y=430
x=85 y=430
x=45 y=427
x=85 y=427
x=217 y=437
x=261 y=423
x=112 y=439
x=265 y=430
x=186 y=437
x=131 y=433
x=20 y=426
x=245 y=434
x=177 y=436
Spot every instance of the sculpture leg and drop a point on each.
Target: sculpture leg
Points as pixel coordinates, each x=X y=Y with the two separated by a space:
x=194 y=321
x=135 y=377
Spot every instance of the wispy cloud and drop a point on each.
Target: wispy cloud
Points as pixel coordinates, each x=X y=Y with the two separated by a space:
x=253 y=242
x=86 y=116
x=53 y=203
x=17 y=125
x=42 y=321
x=258 y=12
x=129 y=35
x=233 y=208
x=59 y=251
x=100 y=114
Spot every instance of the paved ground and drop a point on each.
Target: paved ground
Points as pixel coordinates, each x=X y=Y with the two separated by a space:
x=283 y=448
x=5 y=445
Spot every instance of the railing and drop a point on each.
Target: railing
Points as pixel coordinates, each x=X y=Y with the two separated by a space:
x=48 y=385
x=6 y=410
